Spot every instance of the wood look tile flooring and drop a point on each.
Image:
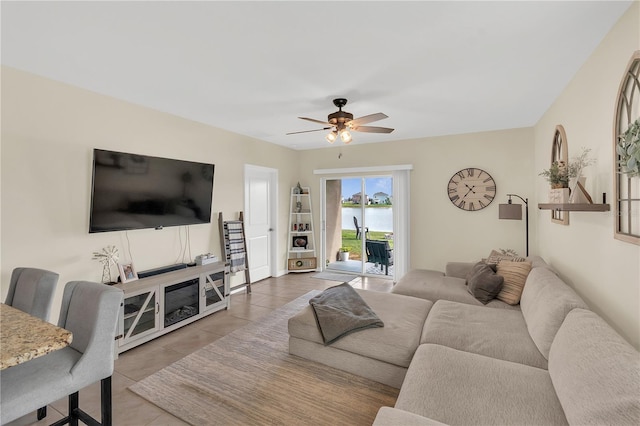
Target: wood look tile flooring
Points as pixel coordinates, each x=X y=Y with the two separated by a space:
x=144 y=360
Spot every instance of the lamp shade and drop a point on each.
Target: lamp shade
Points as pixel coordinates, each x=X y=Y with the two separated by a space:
x=345 y=136
x=331 y=137
x=510 y=211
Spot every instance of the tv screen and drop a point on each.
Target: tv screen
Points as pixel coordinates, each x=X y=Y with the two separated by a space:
x=132 y=191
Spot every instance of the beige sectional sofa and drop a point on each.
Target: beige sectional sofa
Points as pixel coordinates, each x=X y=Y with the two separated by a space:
x=547 y=360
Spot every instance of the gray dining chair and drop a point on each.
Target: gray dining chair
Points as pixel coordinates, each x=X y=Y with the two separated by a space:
x=31 y=290
x=90 y=311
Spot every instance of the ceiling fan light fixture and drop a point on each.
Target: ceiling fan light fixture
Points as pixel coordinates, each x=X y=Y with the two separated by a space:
x=341 y=123
x=331 y=137
x=345 y=136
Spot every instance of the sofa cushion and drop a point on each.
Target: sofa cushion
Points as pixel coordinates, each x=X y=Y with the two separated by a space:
x=515 y=275
x=456 y=387
x=538 y=262
x=595 y=372
x=394 y=343
x=388 y=416
x=458 y=269
x=497 y=333
x=483 y=283
x=433 y=285
x=546 y=301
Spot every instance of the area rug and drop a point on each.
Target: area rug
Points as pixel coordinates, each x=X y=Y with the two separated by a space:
x=249 y=378
x=334 y=276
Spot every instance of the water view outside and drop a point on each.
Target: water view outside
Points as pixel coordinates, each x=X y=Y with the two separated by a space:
x=377 y=218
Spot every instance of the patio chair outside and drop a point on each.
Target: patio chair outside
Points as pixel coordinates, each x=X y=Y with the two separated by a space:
x=359 y=229
x=379 y=252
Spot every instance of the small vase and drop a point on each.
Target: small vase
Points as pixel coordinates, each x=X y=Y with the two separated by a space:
x=579 y=194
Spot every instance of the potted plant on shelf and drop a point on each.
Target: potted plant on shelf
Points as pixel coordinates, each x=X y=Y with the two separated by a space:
x=344 y=254
x=628 y=148
x=560 y=173
x=557 y=175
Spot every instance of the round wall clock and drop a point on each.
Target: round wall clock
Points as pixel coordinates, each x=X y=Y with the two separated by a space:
x=471 y=189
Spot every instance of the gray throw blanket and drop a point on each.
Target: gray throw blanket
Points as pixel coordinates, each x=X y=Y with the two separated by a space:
x=340 y=310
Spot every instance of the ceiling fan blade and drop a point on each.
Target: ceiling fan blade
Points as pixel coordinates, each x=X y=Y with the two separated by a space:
x=372 y=129
x=316 y=121
x=367 y=119
x=308 y=131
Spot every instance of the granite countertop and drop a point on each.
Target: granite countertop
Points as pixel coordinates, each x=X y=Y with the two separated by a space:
x=24 y=337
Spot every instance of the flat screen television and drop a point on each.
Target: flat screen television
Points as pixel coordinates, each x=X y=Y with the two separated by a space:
x=132 y=191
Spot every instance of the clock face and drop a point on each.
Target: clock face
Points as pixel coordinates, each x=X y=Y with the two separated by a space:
x=471 y=189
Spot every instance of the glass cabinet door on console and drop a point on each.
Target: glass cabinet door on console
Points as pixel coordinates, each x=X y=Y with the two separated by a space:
x=141 y=315
x=212 y=290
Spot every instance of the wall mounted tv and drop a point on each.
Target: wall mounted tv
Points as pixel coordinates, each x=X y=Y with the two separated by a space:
x=131 y=191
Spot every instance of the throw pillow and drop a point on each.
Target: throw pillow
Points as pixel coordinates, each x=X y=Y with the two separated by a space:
x=476 y=268
x=495 y=257
x=484 y=284
x=515 y=275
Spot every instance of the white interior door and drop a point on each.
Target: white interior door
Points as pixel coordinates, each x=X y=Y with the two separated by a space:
x=259 y=204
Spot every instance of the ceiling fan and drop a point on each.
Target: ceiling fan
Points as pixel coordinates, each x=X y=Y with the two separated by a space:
x=341 y=123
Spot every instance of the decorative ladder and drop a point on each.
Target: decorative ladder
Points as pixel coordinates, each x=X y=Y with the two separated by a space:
x=234 y=248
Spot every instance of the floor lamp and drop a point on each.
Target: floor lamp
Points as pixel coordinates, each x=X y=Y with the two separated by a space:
x=514 y=211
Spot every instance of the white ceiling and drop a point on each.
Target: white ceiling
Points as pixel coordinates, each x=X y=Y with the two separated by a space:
x=434 y=68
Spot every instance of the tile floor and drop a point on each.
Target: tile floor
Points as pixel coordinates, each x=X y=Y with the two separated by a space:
x=144 y=360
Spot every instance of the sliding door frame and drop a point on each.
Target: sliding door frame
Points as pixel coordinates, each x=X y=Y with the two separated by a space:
x=401 y=208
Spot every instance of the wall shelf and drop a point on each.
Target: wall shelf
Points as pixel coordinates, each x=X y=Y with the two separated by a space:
x=575 y=207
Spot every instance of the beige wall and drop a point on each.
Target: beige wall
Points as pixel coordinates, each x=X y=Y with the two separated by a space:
x=48 y=133
x=440 y=231
x=605 y=271
x=49 y=129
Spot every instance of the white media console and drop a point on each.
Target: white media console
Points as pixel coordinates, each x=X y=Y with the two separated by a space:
x=161 y=303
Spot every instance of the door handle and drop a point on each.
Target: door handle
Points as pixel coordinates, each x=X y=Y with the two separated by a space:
x=270 y=229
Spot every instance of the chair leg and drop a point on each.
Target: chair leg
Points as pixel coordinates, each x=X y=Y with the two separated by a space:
x=42 y=412
x=74 y=402
x=105 y=391
x=76 y=414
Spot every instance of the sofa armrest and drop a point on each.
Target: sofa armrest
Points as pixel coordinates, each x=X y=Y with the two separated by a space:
x=388 y=416
x=458 y=269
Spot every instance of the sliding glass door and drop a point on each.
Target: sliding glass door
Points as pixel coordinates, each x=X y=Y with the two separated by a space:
x=358 y=229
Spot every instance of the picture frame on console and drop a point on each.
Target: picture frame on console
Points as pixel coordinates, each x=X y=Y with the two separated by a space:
x=127 y=272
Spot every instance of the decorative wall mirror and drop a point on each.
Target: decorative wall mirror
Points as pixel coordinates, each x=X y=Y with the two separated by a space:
x=627 y=189
x=559 y=152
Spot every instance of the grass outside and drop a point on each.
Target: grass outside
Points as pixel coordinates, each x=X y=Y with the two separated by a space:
x=354 y=246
